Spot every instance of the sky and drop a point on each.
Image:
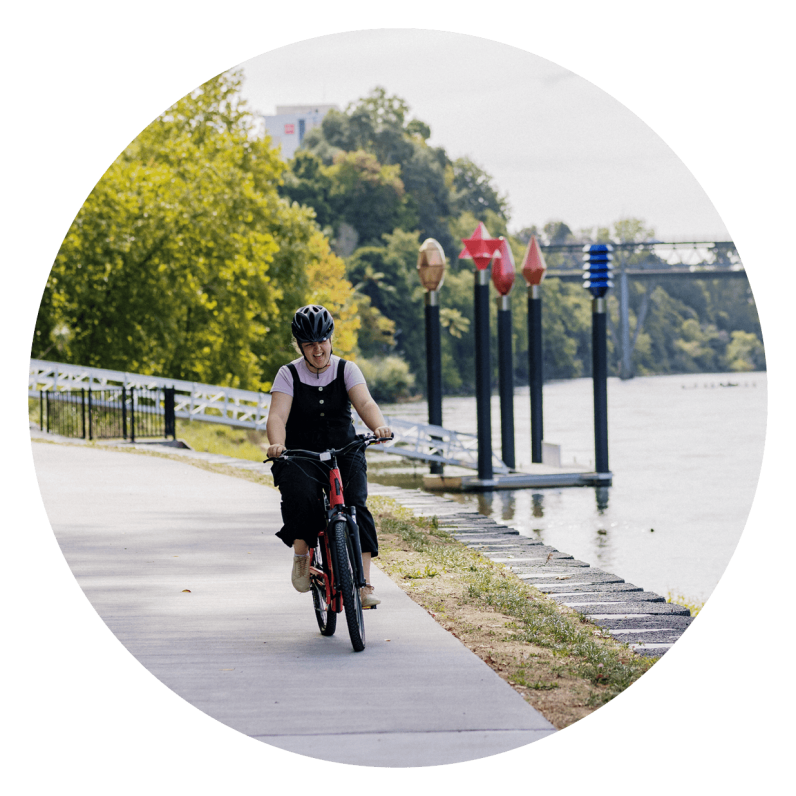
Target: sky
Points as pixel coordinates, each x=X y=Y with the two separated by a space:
x=561 y=148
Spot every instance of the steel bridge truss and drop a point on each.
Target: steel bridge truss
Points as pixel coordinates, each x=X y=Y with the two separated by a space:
x=695 y=259
x=248 y=409
x=653 y=263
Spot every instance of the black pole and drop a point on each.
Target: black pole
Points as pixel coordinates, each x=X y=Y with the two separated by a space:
x=535 y=369
x=170 y=424
x=48 y=412
x=483 y=392
x=506 y=371
x=124 y=412
x=90 y=420
x=600 y=377
x=83 y=410
x=434 y=366
x=132 y=414
x=41 y=409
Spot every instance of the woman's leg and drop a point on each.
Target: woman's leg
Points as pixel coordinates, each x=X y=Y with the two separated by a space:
x=302 y=514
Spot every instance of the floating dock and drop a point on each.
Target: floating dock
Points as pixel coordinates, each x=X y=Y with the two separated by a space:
x=540 y=475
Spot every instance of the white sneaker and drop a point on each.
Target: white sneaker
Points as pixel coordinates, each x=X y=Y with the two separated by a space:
x=300 y=578
x=367 y=598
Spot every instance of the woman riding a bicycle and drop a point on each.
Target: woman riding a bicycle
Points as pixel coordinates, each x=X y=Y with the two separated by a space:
x=310 y=408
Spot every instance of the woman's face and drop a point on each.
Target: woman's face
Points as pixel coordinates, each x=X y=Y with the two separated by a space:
x=318 y=354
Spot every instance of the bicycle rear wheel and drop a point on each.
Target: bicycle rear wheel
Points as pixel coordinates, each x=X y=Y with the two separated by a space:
x=345 y=572
x=327 y=619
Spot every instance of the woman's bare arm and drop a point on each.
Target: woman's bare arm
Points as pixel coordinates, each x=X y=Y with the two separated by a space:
x=276 y=425
x=368 y=410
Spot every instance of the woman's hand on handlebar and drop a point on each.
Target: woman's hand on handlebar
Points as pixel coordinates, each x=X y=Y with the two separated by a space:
x=275 y=451
x=383 y=432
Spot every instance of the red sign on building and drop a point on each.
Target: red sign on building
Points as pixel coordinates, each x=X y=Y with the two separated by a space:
x=290 y=129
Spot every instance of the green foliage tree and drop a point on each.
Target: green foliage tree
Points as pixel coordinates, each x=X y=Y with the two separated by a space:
x=387 y=275
x=388 y=378
x=308 y=183
x=745 y=352
x=474 y=192
x=367 y=195
x=184 y=261
x=437 y=189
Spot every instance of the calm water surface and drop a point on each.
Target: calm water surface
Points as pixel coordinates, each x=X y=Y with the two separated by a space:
x=685 y=453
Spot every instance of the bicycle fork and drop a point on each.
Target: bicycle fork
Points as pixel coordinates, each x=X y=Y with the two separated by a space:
x=337 y=508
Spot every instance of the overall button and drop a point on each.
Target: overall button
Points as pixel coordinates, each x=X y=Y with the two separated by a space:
x=321 y=401
x=323 y=414
x=320 y=389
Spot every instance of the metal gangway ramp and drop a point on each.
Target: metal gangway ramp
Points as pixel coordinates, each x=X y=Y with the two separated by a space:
x=248 y=409
x=435 y=444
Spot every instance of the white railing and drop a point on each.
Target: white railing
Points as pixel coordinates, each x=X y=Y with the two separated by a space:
x=248 y=409
x=192 y=400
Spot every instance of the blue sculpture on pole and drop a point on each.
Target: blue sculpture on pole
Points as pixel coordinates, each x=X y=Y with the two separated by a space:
x=597 y=280
x=598 y=276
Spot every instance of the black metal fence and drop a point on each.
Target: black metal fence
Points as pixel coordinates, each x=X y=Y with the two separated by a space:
x=109 y=413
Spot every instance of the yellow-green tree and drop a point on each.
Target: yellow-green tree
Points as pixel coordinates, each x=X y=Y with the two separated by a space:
x=330 y=288
x=184 y=261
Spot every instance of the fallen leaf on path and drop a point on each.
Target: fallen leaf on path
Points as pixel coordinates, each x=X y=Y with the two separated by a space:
x=186 y=590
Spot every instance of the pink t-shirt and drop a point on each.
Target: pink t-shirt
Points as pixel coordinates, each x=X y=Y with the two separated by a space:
x=284 y=378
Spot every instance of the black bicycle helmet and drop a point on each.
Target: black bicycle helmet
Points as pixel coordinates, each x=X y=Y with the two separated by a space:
x=312 y=324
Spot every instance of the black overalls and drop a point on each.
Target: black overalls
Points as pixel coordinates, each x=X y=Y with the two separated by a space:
x=319 y=419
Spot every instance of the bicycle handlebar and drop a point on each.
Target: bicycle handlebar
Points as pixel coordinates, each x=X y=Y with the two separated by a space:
x=365 y=440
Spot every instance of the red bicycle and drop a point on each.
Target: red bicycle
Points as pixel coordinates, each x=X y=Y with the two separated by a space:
x=336 y=574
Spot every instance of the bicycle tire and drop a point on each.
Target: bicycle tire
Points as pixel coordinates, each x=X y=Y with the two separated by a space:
x=345 y=572
x=327 y=619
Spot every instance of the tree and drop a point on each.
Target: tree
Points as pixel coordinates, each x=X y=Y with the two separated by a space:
x=745 y=352
x=307 y=182
x=556 y=233
x=473 y=191
x=632 y=230
x=366 y=194
x=184 y=261
x=378 y=124
x=330 y=288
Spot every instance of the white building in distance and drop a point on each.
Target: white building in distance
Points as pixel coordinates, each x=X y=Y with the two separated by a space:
x=291 y=123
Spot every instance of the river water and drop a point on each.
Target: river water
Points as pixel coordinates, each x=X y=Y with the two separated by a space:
x=685 y=452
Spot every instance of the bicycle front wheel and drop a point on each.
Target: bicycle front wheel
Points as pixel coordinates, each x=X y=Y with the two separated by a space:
x=345 y=573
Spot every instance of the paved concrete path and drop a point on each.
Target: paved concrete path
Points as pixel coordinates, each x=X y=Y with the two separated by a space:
x=241 y=644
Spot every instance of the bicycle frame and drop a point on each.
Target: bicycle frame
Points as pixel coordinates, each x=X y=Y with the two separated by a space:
x=336 y=507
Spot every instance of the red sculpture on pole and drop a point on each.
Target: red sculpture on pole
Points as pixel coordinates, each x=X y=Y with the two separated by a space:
x=503 y=273
x=503 y=270
x=533 y=269
x=480 y=247
x=534 y=266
